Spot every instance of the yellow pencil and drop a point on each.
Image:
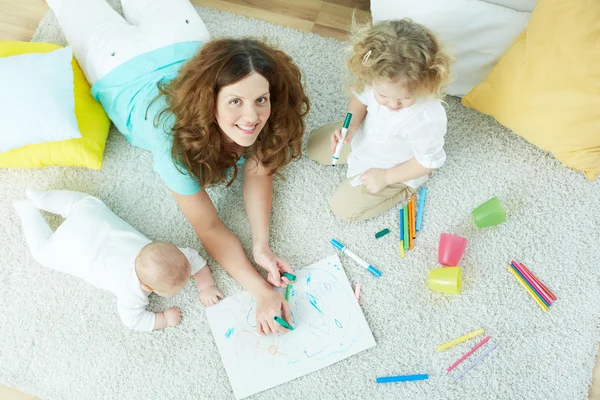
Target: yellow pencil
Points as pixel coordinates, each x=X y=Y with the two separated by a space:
x=402 y=248
x=533 y=295
x=461 y=339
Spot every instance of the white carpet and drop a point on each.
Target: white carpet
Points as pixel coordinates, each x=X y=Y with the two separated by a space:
x=62 y=339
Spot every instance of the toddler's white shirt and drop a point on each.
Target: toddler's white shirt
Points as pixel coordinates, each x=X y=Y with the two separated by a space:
x=389 y=138
x=99 y=247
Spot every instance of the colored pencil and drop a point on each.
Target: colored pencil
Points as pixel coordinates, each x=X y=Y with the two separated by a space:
x=474 y=363
x=468 y=353
x=552 y=296
x=538 y=294
x=518 y=278
x=421 y=207
x=460 y=339
x=532 y=283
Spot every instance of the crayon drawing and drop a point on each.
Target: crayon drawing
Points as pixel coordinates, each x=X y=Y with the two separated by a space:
x=329 y=327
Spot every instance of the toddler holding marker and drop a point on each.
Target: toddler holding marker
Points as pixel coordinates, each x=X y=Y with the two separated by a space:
x=396 y=137
x=102 y=249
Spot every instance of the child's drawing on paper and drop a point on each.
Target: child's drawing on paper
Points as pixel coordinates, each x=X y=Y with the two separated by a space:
x=329 y=326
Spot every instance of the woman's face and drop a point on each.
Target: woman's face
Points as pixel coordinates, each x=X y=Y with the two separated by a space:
x=243 y=109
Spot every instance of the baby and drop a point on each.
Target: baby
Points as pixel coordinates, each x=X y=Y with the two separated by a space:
x=102 y=249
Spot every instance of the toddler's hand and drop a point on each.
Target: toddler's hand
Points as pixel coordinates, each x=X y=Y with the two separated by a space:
x=374 y=179
x=172 y=316
x=268 y=305
x=210 y=296
x=337 y=136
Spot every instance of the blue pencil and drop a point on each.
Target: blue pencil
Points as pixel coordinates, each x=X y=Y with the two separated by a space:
x=530 y=285
x=422 y=196
x=402 y=378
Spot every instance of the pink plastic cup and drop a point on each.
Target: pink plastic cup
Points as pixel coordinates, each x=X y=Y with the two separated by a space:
x=451 y=249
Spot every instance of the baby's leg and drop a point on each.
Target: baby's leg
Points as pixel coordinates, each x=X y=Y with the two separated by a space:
x=319 y=145
x=38 y=234
x=166 y=21
x=100 y=37
x=59 y=202
x=356 y=203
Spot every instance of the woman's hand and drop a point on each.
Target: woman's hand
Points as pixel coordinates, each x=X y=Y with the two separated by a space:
x=273 y=264
x=269 y=305
x=374 y=179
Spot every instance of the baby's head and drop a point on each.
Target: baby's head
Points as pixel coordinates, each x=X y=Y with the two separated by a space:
x=401 y=60
x=162 y=268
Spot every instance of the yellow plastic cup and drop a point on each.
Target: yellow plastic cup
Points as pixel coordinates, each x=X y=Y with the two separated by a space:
x=445 y=280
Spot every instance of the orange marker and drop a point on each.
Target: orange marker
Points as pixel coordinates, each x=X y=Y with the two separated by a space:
x=411 y=216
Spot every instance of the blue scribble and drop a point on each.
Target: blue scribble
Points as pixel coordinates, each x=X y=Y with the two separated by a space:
x=338 y=323
x=292 y=291
x=229 y=333
x=294 y=361
x=293 y=318
x=308 y=279
x=313 y=301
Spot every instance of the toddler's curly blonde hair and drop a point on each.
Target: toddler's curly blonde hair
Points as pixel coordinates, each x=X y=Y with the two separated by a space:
x=398 y=51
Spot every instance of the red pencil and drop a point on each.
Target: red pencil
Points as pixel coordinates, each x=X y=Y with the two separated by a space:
x=552 y=296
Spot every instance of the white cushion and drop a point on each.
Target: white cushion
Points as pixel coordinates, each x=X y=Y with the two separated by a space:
x=474 y=32
x=37 y=102
x=519 y=5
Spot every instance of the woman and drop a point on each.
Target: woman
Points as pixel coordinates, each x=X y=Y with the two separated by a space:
x=205 y=109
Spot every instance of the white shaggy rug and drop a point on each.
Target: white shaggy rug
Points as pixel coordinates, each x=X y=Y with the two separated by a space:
x=62 y=339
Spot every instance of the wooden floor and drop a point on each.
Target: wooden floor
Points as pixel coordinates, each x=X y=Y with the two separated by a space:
x=19 y=19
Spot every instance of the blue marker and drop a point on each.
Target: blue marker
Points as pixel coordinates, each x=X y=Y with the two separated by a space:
x=402 y=378
x=356 y=258
x=422 y=195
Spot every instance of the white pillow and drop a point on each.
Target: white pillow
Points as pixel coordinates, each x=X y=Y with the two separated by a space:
x=37 y=102
x=474 y=32
x=519 y=5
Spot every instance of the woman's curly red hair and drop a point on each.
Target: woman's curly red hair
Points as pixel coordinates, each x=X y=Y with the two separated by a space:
x=198 y=141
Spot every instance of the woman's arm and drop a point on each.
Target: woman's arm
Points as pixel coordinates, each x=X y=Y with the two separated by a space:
x=257 y=189
x=227 y=250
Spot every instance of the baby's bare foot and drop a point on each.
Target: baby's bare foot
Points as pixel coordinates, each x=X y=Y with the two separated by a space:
x=210 y=296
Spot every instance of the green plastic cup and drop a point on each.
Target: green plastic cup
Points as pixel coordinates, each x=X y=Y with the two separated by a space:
x=445 y=280
x=489 y=213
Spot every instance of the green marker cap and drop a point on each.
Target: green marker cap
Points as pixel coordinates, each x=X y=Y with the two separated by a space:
x=347 y=120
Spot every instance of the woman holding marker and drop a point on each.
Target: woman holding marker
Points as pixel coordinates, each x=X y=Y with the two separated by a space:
x=207 y=109
x=395 y=138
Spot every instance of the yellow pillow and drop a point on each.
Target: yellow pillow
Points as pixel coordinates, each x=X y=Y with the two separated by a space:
x=546 y=88
x=92 y=121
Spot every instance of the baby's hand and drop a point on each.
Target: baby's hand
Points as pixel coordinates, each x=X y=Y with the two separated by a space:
x=210 y=296
x=172 y=316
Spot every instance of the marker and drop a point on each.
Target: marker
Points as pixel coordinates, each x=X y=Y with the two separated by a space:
x=461 y=339
x=283 y=323
x=401 y=234
x=288 y=289
x=422 y=195
x=291 y=277
x=340 y=143
x=356 y=258
x=402 y=378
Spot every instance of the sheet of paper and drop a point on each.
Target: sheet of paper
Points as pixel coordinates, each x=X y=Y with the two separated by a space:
x=329 y=327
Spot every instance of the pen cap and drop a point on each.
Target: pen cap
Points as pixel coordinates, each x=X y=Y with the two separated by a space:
x=347 y=120
x=337 y=244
